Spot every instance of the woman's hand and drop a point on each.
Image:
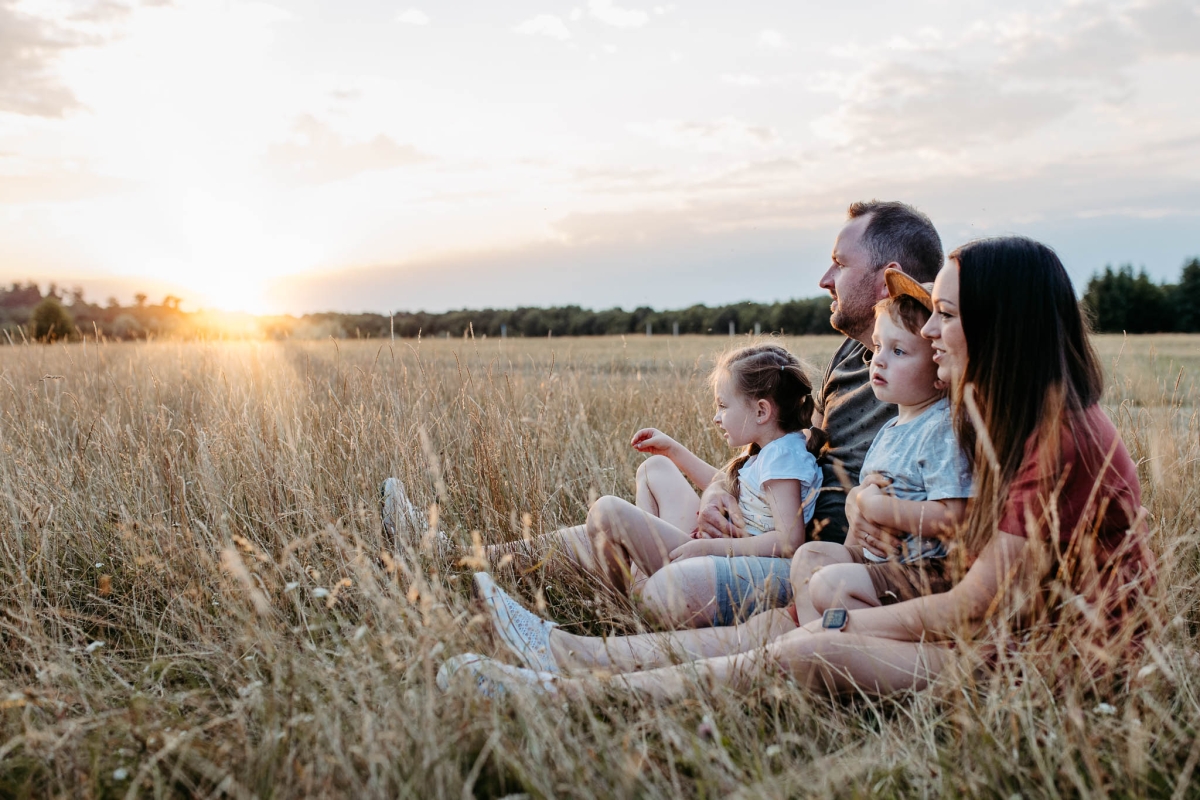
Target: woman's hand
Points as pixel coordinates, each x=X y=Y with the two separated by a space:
x=653 y=442
x=698 y=548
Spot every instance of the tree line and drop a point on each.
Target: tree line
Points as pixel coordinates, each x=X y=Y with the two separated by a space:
x=1117 y=299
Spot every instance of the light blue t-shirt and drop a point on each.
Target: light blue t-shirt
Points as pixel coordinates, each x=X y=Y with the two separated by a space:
x=786 y=458
x=923 y=461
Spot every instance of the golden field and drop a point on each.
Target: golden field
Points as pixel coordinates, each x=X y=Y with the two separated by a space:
x=194 y=601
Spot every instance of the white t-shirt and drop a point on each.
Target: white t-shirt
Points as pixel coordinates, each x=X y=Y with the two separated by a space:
x=786 y=458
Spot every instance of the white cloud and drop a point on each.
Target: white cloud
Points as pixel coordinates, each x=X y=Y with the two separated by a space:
x=772 y=40
x=413 y=16
x=741 y=79
x=544 y=25
x=609 y=14
x=723 y=135
x=318 y=154
x=576 y=14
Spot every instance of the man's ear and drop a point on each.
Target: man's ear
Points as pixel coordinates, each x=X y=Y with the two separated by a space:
x=883 y=292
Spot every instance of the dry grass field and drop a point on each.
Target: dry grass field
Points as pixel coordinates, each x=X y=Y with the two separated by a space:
x=194 y=601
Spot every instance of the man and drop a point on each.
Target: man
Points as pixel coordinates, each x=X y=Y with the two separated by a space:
x=877 y=235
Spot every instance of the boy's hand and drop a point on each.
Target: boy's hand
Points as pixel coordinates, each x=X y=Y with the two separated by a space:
x=653 y=442
x=865 y=531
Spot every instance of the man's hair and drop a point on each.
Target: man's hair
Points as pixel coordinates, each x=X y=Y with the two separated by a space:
x=906 y=311
x=900 y=233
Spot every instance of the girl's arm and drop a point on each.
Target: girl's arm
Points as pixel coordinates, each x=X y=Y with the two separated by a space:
x=935 y=518
x=652 y=441
x=784 y=498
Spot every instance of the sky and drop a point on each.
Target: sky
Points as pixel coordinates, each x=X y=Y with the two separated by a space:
x=296 y=156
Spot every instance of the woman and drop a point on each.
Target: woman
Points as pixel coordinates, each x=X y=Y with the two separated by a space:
x=1055 y=527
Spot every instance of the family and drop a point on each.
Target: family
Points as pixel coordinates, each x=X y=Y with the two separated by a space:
x=954 y=468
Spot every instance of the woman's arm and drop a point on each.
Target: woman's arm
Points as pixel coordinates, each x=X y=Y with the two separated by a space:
x=1004 y=564
x=654 y=442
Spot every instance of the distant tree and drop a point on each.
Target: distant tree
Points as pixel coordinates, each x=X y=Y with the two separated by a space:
x=76 y=295
x=139 y=299
x=172 y=302
x=50 y=320
x=1186 y=299
x=112 y=302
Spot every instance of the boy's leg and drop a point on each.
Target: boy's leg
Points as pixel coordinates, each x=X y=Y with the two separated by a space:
x=623 y=535
x=842 y=586
x=663 y=491
x=811 y=557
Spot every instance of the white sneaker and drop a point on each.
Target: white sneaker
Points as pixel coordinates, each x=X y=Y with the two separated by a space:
x=402 y=522
x=524 y=633
x=493 y=678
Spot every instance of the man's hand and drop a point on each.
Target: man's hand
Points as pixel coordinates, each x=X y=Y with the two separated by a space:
x=882 y=541
x=698 y=548
x=719 y=517
x=653 y=442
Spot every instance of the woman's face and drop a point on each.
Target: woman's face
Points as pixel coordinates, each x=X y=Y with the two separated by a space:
x=944 y=328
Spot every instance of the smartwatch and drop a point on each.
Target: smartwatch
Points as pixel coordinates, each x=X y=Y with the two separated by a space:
x=835 y=619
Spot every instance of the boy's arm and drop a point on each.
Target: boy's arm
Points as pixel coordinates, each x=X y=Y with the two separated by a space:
x=936 y=518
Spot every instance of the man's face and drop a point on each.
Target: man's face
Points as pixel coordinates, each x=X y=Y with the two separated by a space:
x=854 y=282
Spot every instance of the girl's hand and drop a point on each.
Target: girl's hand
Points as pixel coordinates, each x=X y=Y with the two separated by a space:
x=698 y=548
x=653 y=442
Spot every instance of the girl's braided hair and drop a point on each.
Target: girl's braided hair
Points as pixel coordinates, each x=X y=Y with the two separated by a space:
x=767 y=372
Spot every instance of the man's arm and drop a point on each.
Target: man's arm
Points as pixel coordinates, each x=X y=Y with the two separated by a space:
x=719 y=516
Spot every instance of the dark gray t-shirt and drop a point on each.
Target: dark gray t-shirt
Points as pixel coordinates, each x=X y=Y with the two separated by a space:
x=852 y=417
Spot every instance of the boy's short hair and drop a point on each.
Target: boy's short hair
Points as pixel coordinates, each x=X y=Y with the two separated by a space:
x=906 y=311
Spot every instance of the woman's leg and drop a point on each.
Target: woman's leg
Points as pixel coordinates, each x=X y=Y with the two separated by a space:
x=809 y=559
x=841 y=662
x=652 y=650
x=623 y=535
x=663 y=491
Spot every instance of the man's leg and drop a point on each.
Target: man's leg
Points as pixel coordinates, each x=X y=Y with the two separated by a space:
x=663 y=491
x=624 y=535
x=572 y=543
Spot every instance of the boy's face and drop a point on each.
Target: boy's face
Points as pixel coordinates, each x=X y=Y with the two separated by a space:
x=902 y=370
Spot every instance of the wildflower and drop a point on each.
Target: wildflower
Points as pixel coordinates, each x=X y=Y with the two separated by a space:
x=1106 y=709
x=320 y=591
x=120 y=774
x=94 y=646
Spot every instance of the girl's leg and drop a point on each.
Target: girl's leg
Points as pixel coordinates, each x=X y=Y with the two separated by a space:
x=664 y=492
x=623 y=535
x=809 y=559
x=652 y=650
x=840 y=662
x=700 y=592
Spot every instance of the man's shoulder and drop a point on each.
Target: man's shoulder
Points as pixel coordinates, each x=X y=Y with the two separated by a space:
x=849 y=351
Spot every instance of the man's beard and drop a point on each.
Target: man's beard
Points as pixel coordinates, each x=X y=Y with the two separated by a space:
x=852 y=320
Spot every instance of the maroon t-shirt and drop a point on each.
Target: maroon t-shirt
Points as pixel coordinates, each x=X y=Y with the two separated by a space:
x=1085 y=505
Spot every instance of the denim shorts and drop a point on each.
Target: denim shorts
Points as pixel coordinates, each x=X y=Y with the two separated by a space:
x=748 y=584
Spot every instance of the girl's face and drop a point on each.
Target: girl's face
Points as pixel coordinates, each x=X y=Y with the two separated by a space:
x=737 y=416
x=945 y=329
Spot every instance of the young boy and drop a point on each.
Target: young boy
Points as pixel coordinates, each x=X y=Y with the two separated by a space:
x=915 y=479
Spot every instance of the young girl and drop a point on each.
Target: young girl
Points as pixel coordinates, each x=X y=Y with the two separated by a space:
x=764 y=402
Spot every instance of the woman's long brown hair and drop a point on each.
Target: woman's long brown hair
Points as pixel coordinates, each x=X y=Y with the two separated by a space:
x=1030 y=365
x=767 y=372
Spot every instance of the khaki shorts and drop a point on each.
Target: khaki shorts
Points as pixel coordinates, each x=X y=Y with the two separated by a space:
x=895 y=582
